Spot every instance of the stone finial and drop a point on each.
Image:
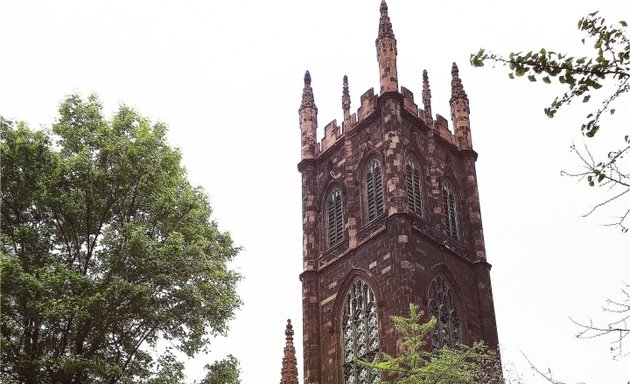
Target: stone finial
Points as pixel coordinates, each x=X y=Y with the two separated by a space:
x=385 y=25
x=308 y=100
x=426 y=93
x=386 y=53
x=345 y=97
x=288 y=332
x=460 y=111
x=457 y=89
x=289 y=374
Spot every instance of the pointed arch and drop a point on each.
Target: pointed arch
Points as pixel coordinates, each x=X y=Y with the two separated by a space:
x=357 y=312
x=373 y=189
x=334 y=216
x=450 y=208
x=414 y=185
x=443 y=302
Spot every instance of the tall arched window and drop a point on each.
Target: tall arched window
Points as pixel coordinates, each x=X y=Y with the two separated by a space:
x=335 y=217
x=414 y=190
x=374 y=189
x=449 y=211
x=359 y=332
x=442 y=307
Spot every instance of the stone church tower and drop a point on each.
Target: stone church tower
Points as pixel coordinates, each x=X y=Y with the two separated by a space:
x=390 y=217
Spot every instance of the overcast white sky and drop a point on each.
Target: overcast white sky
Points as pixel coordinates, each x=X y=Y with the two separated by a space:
x=226 y=76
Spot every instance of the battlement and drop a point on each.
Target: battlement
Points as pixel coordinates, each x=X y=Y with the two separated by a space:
x=332 y=132
x=369 y=102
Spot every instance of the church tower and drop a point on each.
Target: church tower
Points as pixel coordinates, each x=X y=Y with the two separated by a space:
x=391 y=217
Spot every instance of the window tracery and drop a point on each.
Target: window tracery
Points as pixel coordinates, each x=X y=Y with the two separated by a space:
x=359 y=332
x=335 y=218
x=449 y=211
x=442 y=306
x=414 y=190
x=374 y=189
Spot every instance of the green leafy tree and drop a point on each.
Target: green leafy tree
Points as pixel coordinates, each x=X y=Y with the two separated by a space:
x=106 y=248
x=608 y=69
x=418 y=364
x=225 y=371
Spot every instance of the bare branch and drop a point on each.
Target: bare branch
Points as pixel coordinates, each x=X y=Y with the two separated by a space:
x=618 y=327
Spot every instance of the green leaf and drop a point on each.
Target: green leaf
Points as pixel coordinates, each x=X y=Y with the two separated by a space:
x=546 y=80
x=550 y=112
x=612 y=111
x=531 y=78
x=623 y=23
x=586 y=98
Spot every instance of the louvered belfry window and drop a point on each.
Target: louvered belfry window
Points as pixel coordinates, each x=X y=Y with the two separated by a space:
x=335 y=218
x=359 y=332
x=449 y=212
x=442 y=307
x=374 y=189
x=414 y=192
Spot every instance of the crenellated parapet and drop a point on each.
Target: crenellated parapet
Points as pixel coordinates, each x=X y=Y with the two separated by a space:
x=460 y=136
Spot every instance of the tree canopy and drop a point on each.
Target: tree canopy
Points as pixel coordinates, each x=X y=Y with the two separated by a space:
x=106 y=248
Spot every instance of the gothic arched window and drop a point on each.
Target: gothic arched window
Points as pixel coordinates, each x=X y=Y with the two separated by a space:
x=442 y=307
x=335 y=217
x=359 y=333
x=449 y=211
x=414 y=190
x=374 y=189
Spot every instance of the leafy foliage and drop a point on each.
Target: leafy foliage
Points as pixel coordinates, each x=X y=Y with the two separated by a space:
x=106 y=248
x=582 y=76
x=417 y=364
x=225 y=371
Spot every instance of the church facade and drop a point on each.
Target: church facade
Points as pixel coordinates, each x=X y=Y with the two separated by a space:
x=391 y=217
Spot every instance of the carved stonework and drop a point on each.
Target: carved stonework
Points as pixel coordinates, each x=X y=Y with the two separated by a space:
x=345 y=96
x=457 y=89
x=385 y=25
x=442 y=306
x=359 y=333
x=308 y=100
x=289 y=374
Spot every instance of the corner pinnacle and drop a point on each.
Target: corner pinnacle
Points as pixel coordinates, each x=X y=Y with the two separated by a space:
x=426 y=93
x=457 y=89
x=345 y=96
x=385 y=25
x=289 y=374
x=308 y=99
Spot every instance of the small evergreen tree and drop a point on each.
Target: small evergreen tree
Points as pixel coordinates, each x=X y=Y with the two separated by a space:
x=418 y=364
